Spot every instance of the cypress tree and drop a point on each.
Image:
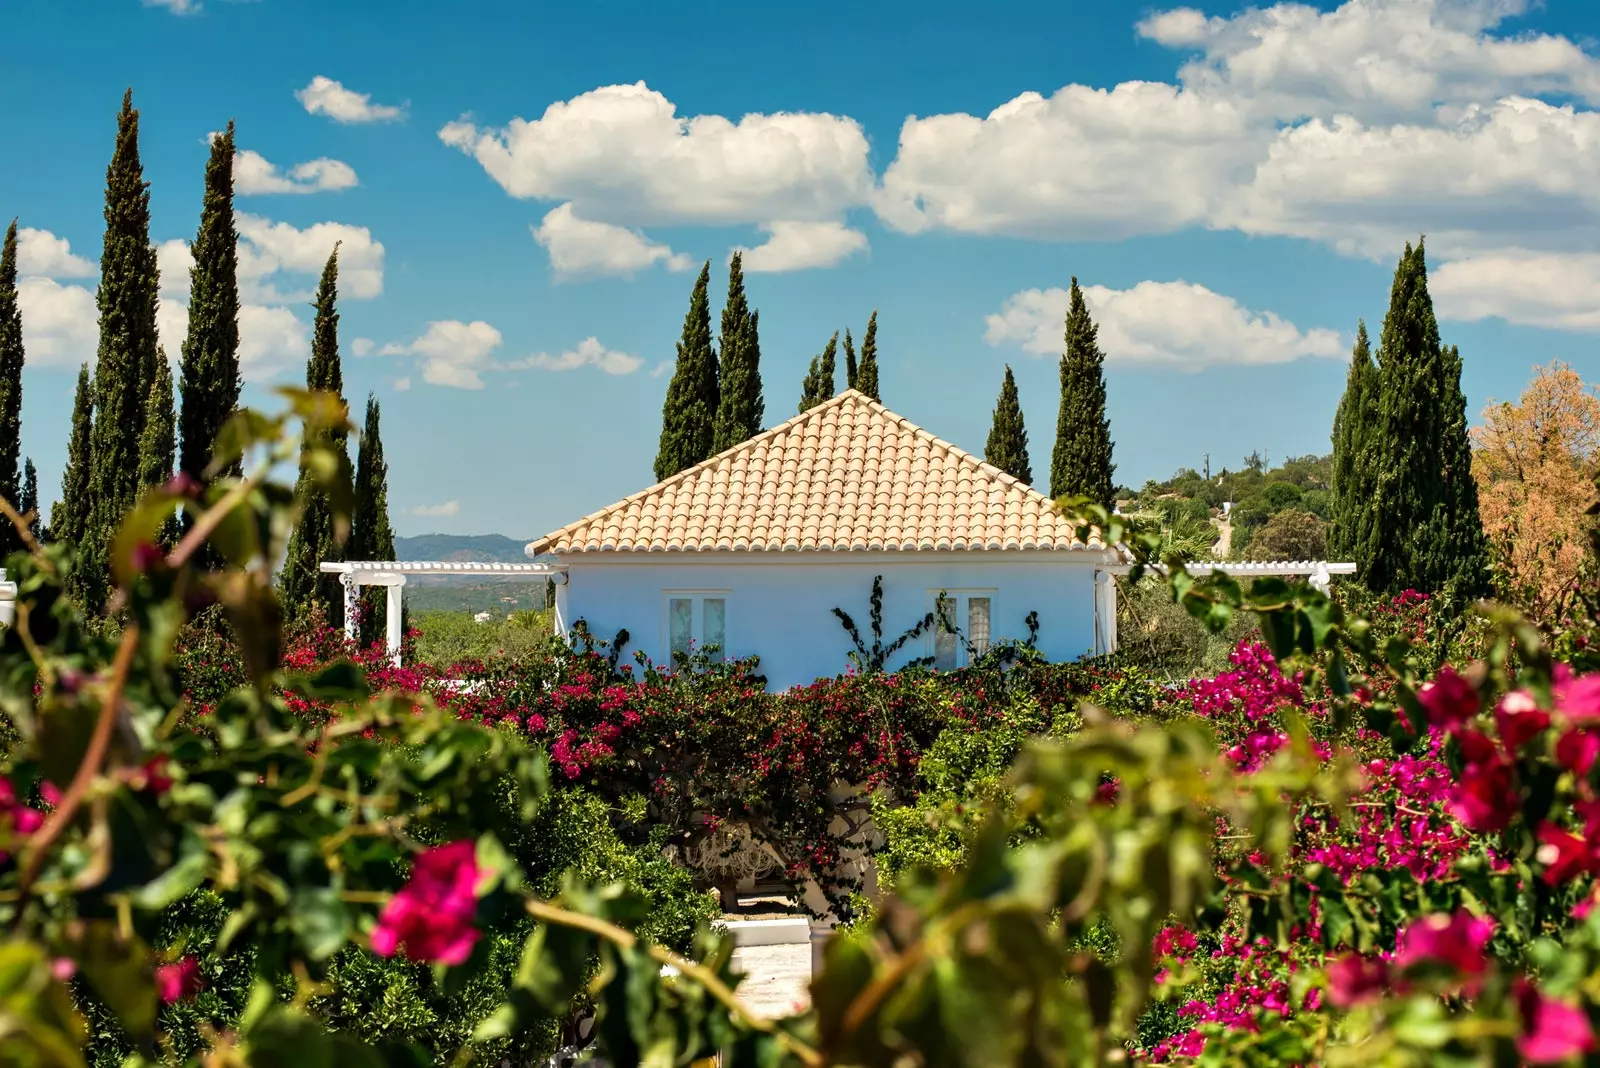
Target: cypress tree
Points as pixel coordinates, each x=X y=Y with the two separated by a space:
x=1427 y=539
x=210 y=365
x=688 y=417
x=30 y=499
x=69 y=519
x=1080 y=465
x=1352 y=432
x=740 y=407
x=818 y=384
x=1007 y=447
x=125 y=364
x=851 y=371
x=11 y=358
x=867 y=372
x=1463 y=558
x=312 y=542
x=371 y=537
x=157 y=445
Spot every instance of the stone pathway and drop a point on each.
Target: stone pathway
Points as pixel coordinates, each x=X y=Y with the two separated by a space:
x=777 y=978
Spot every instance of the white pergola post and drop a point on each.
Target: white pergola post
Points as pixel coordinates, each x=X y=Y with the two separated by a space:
x=392 y=598
x=352 y=606
x=1105 y=613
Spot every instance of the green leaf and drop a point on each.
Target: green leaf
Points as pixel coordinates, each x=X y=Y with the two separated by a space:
x=177 y=881
x=320 y=921
x=121 y=973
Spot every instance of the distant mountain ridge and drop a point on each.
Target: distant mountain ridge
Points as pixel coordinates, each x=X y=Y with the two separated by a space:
x=466 y=548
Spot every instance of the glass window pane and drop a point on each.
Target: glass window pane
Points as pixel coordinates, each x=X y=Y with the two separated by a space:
x=680 y=621
x=716 y=625
x=978 y=624
x=944 y=637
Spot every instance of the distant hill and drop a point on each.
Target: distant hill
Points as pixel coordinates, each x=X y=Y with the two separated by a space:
x=480 y=548
x=432 y=594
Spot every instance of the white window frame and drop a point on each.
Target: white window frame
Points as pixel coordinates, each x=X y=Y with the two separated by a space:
x=697 y=619
x=963 y=621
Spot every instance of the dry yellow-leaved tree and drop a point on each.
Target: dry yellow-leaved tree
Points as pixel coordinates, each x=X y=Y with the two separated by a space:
x=1535 y=462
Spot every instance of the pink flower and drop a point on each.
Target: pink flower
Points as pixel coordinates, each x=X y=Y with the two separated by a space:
x=1552 y=1030
x=1485 y=797
x=1579 y=698
x=1353 y=979
x=1520 y=719
x=432 y=915
x=1564 y=855
x=24 y=820
x=175 y=982
x=1458 y=942
x=1577 y=749
x=1449 y=700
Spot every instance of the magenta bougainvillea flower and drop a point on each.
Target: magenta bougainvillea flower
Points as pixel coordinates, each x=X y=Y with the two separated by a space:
x=1552 y=1030
x=1520 y=719
x=431 y=917
x=1485 y=797
x=1354 y=979
x=1450 y=701
x=24 y=820
x=179 y=980
x=1578 y=699
x=1458 y=941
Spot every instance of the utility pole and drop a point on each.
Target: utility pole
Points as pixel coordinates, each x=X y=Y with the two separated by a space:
x=1208 y=467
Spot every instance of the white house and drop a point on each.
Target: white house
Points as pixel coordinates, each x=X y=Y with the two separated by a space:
x=752 y=549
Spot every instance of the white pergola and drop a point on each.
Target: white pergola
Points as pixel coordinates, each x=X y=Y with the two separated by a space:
x=391 y=574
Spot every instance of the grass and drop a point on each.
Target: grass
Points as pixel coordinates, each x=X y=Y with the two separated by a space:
x=445 y=638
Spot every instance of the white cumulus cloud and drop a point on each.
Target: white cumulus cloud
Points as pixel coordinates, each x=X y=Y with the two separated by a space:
x=177 y=7
x=1179 y=325
x=324 y=96
x=588 y=353
x=623 y=154
x=1560 y=290
x=448 y=508
x=254 y=175
x=41 y=253
x=453 y=353
x=796 y=246
x=580 y=248
x=1359 y=126
x=60 y=323
x=270 y=250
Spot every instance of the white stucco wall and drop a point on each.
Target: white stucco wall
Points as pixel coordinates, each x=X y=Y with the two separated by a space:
x=779 y=606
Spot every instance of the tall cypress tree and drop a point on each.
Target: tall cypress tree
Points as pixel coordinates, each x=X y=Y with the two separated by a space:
x=851 y=371
x=69 y=519
x=210 y=365
x=867 y=373
x=371 y=537
x=1428 y=538
x=1080 y=465
x=740 y=407
x=1007 y=447
x=125 y=364
x=688 y=417
x=818 y=384
x=312 y=542
x=11 y=358
x=1462 y=555
x=30 y=498
x=1352 y=470
x=159 y=442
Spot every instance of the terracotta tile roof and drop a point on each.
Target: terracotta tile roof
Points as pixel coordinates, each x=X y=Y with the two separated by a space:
x=848 y=474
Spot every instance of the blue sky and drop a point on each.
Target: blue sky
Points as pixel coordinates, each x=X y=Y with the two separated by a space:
x=523 y=192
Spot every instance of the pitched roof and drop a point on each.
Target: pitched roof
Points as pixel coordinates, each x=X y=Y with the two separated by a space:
x=848 y=474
